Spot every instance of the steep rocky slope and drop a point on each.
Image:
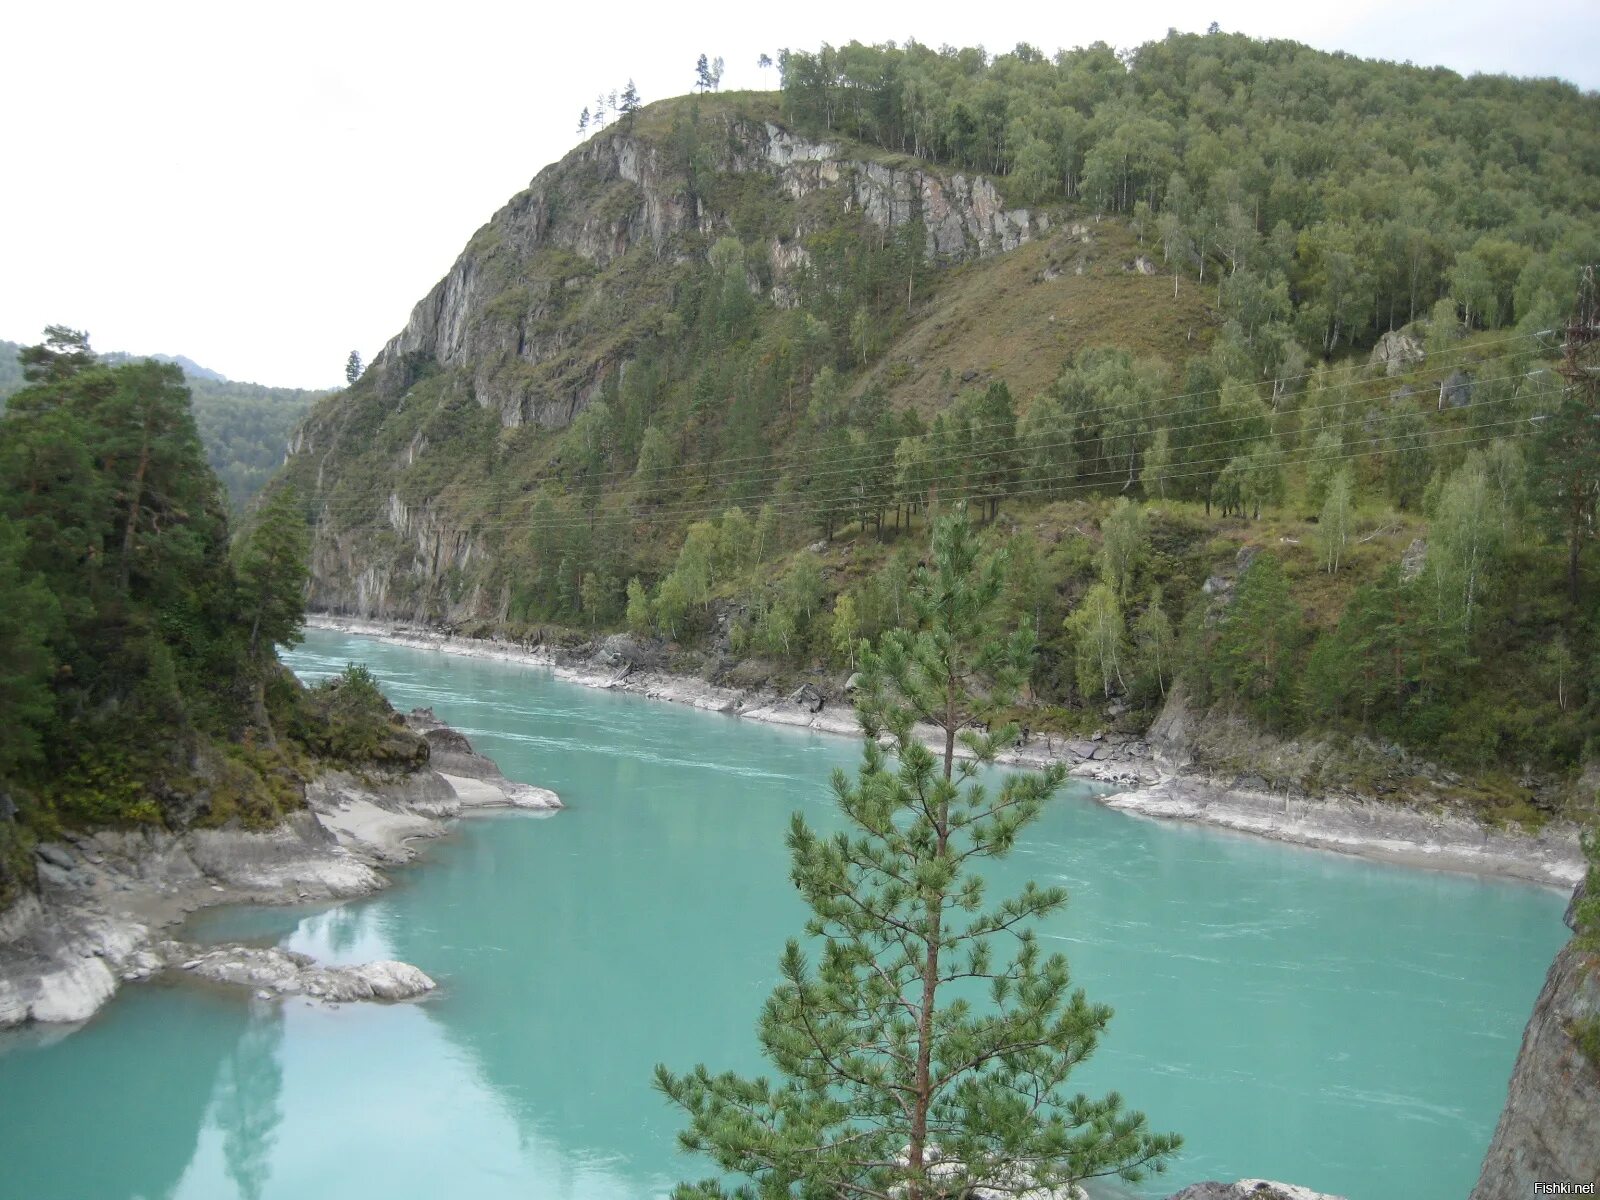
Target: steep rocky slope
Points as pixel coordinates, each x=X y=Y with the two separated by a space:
x=1549 y=1130
x=423 y=475
x=524 y=311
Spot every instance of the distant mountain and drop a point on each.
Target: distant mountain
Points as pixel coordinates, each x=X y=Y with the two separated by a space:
x=188 y=366
x=245 y=426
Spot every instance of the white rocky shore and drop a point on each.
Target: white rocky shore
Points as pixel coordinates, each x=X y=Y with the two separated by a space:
x=105 y=898
x=1149 y=775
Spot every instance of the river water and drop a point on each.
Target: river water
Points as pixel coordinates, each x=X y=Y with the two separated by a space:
x=1345 y=1025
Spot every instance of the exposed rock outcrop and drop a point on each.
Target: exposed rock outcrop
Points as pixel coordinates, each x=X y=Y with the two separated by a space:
x=1397 y=352
x=1249 y=1189
x=500 y=304
x=1549 y=1130
x=286 y=973
x=104 y=896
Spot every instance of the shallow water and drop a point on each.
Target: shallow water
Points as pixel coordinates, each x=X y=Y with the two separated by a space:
x=1304 y=1016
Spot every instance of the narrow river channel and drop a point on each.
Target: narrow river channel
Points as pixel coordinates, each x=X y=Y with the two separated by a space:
x=1297 y=1015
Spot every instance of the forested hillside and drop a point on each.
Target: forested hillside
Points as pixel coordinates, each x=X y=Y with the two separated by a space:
x=1262 y=391
x=140 y=683
x=244 y=427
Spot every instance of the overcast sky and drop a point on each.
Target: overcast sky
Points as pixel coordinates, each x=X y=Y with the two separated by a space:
x=265 y=187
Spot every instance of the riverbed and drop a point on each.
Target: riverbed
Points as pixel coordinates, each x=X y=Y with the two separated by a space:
x=1295 y=1014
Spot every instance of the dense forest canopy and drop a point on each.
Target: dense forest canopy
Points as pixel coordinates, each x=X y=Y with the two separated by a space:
x=244 y=427
x=1351 y=194
x=140 y=684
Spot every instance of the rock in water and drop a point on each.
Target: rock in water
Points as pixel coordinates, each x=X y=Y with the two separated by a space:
x=285 y=973
x=1249 y=1189
x=390 y=980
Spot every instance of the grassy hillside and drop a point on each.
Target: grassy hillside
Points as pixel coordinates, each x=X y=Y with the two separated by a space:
x=709 y=376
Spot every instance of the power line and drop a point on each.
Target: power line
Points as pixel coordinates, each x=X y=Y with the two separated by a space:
x=952 y=489
x=1110 y=474
x=855 y=468
x=792 y=459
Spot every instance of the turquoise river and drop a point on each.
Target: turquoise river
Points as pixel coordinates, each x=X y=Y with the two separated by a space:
x=1303 y=1016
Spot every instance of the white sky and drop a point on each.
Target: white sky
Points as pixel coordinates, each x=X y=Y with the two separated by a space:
x=263 y=187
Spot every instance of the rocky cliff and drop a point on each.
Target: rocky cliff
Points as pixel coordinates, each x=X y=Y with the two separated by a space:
x=599 y=264
x=510 y=313
x=1549 y=1130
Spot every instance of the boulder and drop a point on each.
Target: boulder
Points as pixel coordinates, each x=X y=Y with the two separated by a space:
x=1414 y=559
x=1249 y=1189
x=806 y=698
x=286 y=973
x=56 y=855
x=1455 y=391
x=1397 y=352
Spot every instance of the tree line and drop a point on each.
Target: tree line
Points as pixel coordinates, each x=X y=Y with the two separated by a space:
x=138 y=631
x=1326 y=196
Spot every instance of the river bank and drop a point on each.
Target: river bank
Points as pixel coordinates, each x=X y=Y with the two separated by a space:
x=1147 y=772
x=107 y=900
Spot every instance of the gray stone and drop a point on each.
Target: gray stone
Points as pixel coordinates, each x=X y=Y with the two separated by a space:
x=1414 y=559
x=1455 y=391
x=1249 y=1189
x=57 y=855
x=1550 y=1126
x=282 y=972
x=806 y=698
x=1397 y=352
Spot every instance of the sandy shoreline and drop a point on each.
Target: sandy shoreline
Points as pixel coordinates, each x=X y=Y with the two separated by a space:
x=1368 y=829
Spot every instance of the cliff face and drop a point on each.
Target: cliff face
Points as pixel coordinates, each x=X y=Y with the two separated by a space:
x=1549 y=1130
x=568 y=288
x=502 y=313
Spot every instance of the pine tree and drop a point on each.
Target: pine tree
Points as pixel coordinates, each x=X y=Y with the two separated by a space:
x=702 y=74
x=63 y=353
x=29 y=620
x=1257 y=644
x=352 y=368
x=270 y=565
x=883 y=1089
x=583 y=120
x=630 y=100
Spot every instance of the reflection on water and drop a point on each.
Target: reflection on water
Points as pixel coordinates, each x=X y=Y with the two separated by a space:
x=1345 y=1025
